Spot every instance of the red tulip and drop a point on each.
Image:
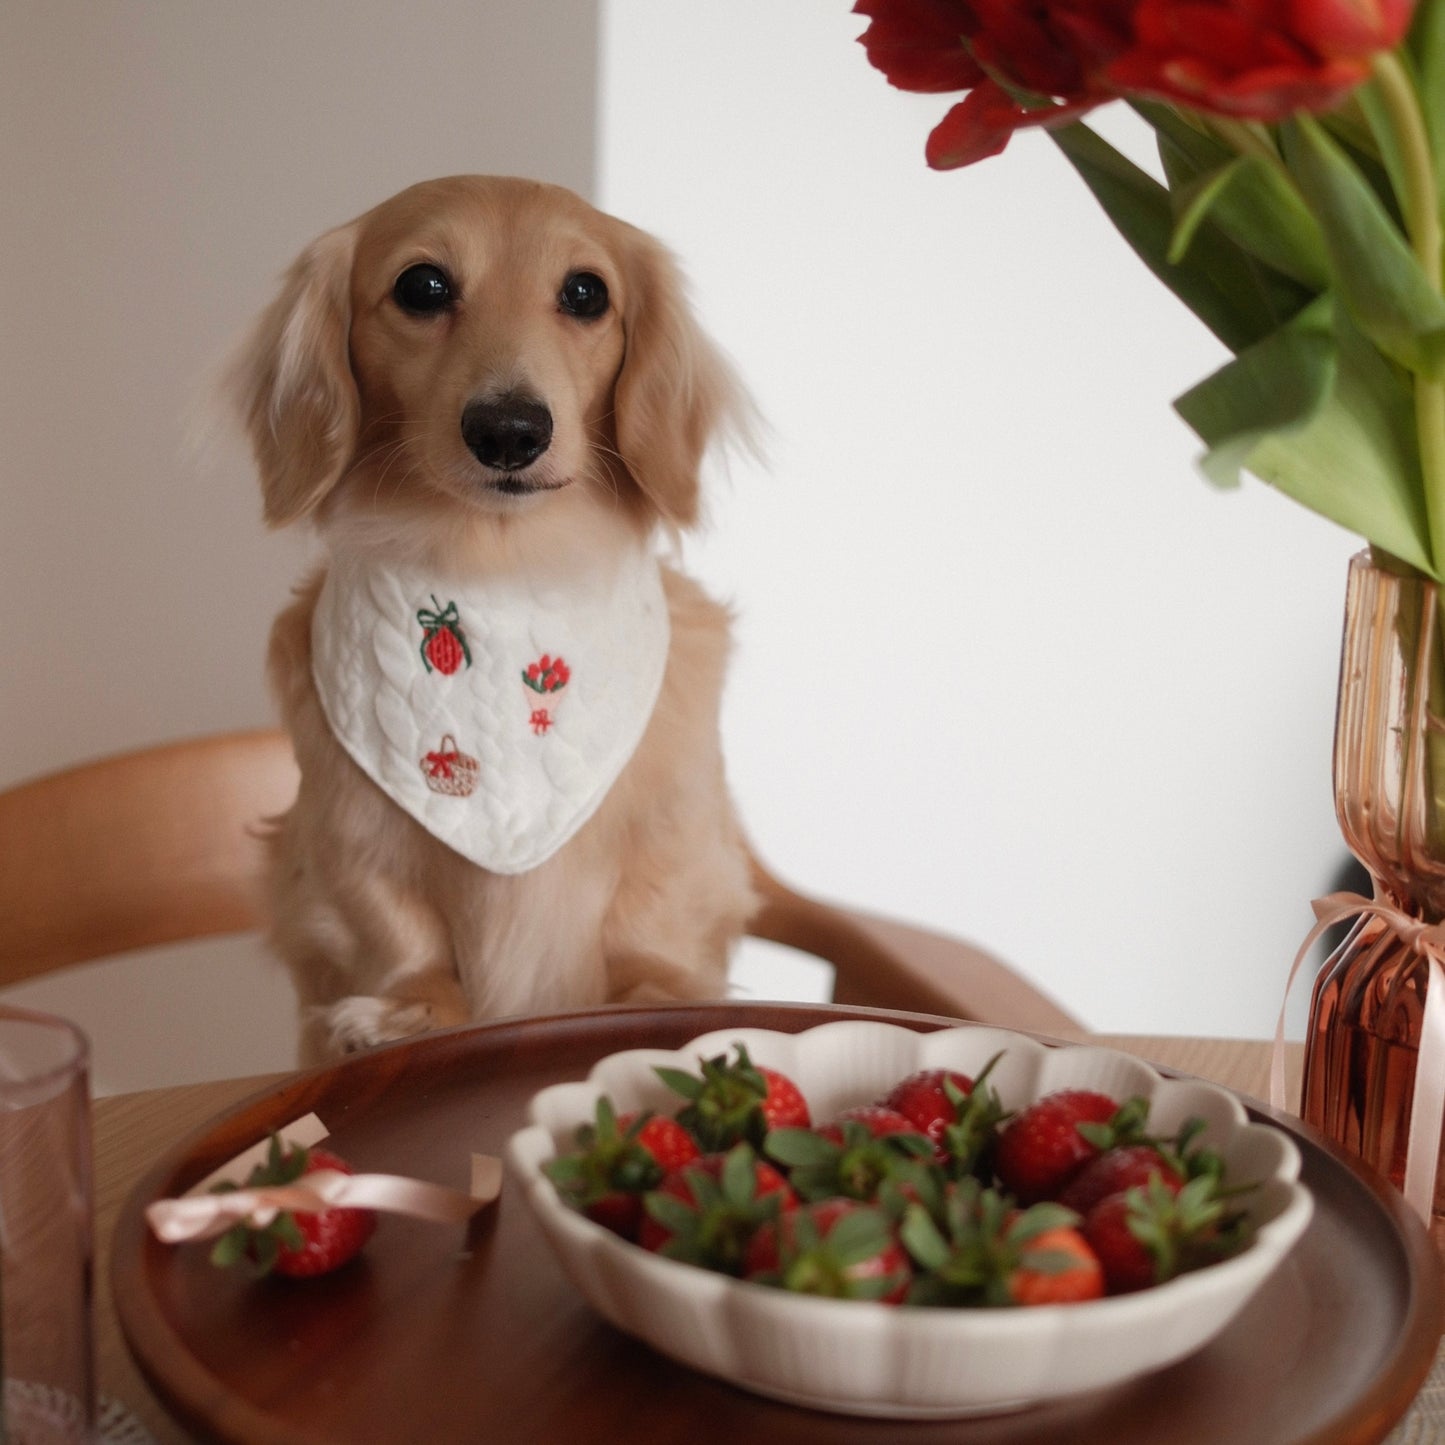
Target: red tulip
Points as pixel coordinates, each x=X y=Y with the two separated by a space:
x=1260 y=59
x=1023 y=65
x=918 y=44
x=1051 y=61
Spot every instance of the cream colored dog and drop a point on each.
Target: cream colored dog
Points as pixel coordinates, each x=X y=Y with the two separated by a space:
x=486 y=382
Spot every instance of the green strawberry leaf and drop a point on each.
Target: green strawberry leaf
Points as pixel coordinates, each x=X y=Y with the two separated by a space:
x=669 y=1211
x=739 y=1175
x=795 y=1147
x=231 y=1248
x=680 y=1082
x=858 y=1235
x=921 y=1238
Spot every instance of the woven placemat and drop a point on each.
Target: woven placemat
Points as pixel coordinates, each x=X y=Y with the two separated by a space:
x=1425 y=1424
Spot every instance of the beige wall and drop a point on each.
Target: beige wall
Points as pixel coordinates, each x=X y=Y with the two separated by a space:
x=160 y=162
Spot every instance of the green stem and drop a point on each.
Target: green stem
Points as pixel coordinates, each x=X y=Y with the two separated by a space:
x=1420 y=206
x=1420 y=203
x=1249 y=139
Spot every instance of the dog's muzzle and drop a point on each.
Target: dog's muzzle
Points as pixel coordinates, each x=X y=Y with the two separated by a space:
x=507 y=434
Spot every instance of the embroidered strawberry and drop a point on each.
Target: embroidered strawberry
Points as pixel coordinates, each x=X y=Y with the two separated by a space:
x=1146 y=1235
x=616 y=1162
x=301 y=1244
x=853 y=1158
x=836 y=1248
x=443 y=644
x=706 y=1212
x=736 y=1101
x=974 y=1247
x=959 y=1115
x=1044 y=1145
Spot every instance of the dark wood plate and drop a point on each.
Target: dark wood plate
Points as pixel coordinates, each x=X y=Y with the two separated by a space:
x=438 y=1335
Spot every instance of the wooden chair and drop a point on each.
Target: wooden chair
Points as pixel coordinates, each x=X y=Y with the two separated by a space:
x=159 y=845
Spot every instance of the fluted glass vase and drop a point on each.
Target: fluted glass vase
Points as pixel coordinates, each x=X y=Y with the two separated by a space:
x=1366 y=1011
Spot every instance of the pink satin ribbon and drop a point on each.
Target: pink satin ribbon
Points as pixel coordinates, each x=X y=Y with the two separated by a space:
x=204 y=1216
x=1427 y=1111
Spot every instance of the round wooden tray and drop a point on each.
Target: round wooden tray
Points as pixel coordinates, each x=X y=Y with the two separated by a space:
x=438 y=1334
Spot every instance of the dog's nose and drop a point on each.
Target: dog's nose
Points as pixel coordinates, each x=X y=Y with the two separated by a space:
x=507 y=434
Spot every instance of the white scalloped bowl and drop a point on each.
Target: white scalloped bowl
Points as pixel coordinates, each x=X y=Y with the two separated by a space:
x=862 y=1358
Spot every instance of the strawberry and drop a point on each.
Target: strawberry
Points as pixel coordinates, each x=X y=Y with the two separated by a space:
x=848 y=1159
x=973 y=1247
x=706 y=1212
x=877 y=1119
x=1056 y=1267
x=616 y=1162
x=1128 y=1166
x=1146 y=1235
x=921 y=1098
x=959 y=1115
x=837 y=1248
x=298 y=1245
x=736 y=1102
x=1044 y=1145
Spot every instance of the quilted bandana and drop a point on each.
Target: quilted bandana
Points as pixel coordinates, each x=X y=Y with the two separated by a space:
x=497 y=713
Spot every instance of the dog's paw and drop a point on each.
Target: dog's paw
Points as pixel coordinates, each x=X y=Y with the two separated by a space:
x=359 y=1022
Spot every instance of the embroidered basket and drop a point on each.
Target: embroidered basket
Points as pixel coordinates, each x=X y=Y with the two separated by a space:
x=449 y=770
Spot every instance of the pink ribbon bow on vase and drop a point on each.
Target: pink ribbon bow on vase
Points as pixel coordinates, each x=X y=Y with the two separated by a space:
x=1427 y=1110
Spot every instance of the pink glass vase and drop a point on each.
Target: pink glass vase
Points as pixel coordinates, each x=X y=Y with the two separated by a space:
x=1364 y=1031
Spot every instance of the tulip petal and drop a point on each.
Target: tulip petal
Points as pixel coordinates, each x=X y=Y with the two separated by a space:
x=918 y=44
x=979 y=126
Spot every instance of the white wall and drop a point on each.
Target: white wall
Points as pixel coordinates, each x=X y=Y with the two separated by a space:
x=161 y=161
x=1008 y=665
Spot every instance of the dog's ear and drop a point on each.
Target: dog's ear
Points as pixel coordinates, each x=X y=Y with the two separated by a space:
x=675 y=393
x=292 y=384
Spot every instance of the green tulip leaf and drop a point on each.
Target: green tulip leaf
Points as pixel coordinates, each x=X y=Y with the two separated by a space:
x=1240 y=300
x=1254 y=202
x=1258 y=207
x=1349 y=125
x=1349 y=455
x=1376 y=272
x=1275 y=387
x=1371 y=103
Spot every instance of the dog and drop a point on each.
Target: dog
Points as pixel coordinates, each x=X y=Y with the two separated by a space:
x=491 y=402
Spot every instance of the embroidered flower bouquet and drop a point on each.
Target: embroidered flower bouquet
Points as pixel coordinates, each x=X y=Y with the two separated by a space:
x=1297 y=212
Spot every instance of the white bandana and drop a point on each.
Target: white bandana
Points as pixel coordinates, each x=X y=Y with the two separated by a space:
x=498 y=713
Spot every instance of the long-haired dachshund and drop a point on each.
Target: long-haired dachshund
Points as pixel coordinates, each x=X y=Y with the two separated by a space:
x=491 y=402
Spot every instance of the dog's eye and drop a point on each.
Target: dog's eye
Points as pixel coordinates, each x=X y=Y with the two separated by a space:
x=422 y=289
x=584 y=295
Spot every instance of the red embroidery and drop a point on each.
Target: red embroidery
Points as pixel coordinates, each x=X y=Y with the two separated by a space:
x=449 y=770
x=547 y=677
x=443 y=644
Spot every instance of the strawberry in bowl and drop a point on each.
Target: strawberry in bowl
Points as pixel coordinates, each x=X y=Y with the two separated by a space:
x=996 y=1302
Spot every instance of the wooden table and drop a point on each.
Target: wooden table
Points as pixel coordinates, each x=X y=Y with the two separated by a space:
x=132 y=1131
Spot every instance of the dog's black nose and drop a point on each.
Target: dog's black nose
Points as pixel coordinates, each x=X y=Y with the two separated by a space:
x=507 y=434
